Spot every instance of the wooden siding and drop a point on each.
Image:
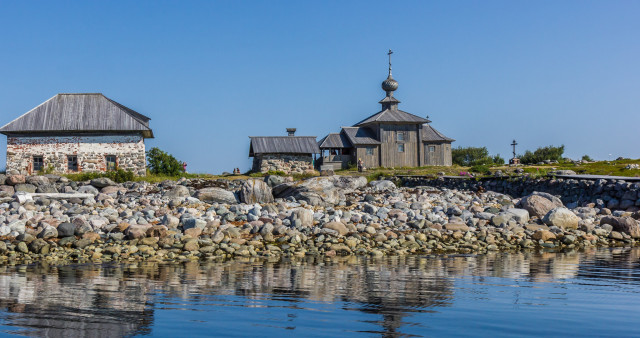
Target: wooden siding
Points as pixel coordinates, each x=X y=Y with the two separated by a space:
x=440 y=157
x=370 y=161
x=389 y=156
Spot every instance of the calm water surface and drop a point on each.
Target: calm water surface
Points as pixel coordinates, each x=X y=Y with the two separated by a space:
x=593 y=293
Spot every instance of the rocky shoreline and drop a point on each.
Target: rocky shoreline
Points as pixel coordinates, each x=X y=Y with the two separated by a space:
x=51 y=219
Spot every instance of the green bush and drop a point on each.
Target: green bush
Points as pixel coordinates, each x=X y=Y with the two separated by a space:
x=541 y=154
x=161 y=163
x=480 y=169
x=587 y=158
x=497 y=160
x=472 y=156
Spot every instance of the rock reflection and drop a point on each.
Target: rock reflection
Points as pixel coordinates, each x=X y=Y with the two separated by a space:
x=119 y=300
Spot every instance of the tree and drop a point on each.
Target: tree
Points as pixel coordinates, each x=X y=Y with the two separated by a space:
x=161 y=163
x=541 y=154
x=474 y=156
x=587 y=158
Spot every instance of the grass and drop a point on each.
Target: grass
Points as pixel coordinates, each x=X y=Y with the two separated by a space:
x=611 y=168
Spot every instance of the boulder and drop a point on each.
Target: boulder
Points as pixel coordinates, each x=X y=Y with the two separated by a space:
x=537 y=205
x=47 y=189
x=7 y=191
x=627 y=225
x=15 y=179
x=37 y=180
x=382 y=185
x=320 y=190
x=255 y=191
x=66 y=229
x=102 y=182
x=3 y=179
x=137 y=231
x=337 y=226
x=177 y=191
x=30 y=188
x=88 y=189
x=304 y=215
x=561 y=217
x=520 y=215
x=216 y=195
x=544 y=235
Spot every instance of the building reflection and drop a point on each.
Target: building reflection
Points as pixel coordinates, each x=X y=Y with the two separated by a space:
x=120 y=300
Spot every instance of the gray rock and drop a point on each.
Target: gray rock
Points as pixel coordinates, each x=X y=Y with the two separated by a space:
x=626 y=225
x=255 y=191
x=88 y=189
x=102 y=182
x=216 y=195
x=193 y=223
x=177 y=191
x=520 y=215
x=382 y=185
x=37 y=180
x=30 y=188
x=66 y=229
x=305 y=216
x=562 y=218
x=537 y=205
x=48 y=232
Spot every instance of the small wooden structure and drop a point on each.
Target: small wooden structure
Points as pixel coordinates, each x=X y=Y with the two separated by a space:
x=388 y=138
x=77 y=133
x=290 y=154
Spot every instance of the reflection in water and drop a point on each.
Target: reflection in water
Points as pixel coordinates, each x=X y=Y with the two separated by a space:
x=121 y=300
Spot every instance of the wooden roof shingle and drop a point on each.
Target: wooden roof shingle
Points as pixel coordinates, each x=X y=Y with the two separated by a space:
x=430 y=134
x=334 y=140
x=89 y=112
x=283 y=145
x=392 y=116
x=360 y=135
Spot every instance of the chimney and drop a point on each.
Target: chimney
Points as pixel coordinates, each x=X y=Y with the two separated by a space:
x=291 y=131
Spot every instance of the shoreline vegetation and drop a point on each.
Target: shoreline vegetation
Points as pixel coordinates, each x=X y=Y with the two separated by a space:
x=62 y=220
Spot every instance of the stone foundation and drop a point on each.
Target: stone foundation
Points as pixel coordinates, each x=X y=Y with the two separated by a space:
x=90 y=150
x=612 y=194
x=289 y=164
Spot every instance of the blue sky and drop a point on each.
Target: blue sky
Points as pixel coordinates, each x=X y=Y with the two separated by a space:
x=212 y=73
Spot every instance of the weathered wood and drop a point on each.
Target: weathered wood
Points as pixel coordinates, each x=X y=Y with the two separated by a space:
x=283 y=145
x=92 y=112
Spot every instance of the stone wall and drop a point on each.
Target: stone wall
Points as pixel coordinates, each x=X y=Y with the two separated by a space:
x=90 y=150
x=290 y=164
x=613 y=194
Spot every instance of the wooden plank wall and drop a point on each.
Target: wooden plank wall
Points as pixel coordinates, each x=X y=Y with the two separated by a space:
x=441 y=156
x=370 y=161
x=390 y=157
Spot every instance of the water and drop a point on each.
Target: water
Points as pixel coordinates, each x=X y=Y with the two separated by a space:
x=594 y=293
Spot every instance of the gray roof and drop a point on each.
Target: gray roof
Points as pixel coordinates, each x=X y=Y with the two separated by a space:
x=69 y=113
x=393 y=116
x=334 y=140
x=430 y=134
x=360 y=135
x=283 y=145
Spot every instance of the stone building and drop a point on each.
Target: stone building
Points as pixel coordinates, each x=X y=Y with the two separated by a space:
x=77 y=133
x=388 y=138
x=290 y=154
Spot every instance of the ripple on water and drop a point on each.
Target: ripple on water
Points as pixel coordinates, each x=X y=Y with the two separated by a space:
x=591 y=293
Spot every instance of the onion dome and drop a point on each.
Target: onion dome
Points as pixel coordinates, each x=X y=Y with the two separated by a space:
x=389 y=85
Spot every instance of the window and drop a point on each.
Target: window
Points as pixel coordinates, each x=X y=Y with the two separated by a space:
x=401 y=148
x=72 y=163
x=111 y=162
x=369 y=150
x=38 y=163
x=432 y=149
x=401 y=136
